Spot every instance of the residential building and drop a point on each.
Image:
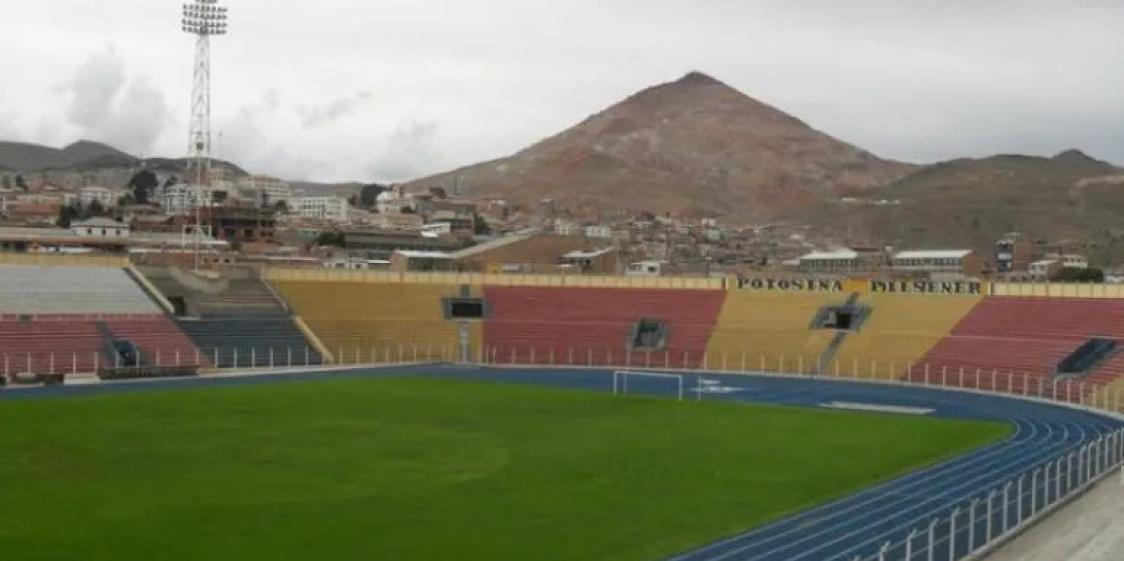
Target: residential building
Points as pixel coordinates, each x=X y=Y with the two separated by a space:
x=646 y=269
x=242 y=224
x=598 y=261
x=841 y=261
x=1013 y=253
x=332 y=208
x=183 y=197
x=598 y=232
x=1043 y=269
x=397 y=221
x=99 y=227
x=566 y=228
x=267 y=189
x=950 y=263
x=1074 y=261
x=104 y=196
x=395 y=200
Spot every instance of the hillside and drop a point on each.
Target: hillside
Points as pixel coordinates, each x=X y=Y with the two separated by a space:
x=694 y=147
x=1070 y=198
x=86 y=162
x=33 y=157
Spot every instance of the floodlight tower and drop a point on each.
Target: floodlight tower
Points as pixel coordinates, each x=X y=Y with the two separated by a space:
x=203 y=19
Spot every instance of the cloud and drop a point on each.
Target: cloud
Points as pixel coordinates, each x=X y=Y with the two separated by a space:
x=313 y=116
x=410 y=152
x=105 y=105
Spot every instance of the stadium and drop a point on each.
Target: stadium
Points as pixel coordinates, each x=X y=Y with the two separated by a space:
x=284 y=413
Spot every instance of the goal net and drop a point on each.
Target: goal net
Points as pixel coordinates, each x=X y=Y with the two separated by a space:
x=626 y=381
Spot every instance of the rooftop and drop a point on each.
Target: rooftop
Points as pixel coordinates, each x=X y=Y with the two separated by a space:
x=588 y=254
x=409 y=254
x=830 y=255
x=933 y=254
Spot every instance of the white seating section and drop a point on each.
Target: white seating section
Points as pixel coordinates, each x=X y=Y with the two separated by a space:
x=70 y=290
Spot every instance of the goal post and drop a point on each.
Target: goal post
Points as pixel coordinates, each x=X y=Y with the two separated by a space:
x=621 y=378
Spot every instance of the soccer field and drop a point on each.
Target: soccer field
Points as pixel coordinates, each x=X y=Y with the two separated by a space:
x=426 y=469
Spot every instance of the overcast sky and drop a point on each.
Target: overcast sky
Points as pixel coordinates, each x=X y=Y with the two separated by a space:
x=393 y=89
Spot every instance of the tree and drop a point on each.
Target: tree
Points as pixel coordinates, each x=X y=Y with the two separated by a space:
x=354 y=201
x=480 y=226
x=96 y=208
x=7 y=182
x=125 y=200
x=369 y=194
x=330 y=237
x=142 y=184
x=68 y=214
x=1067 y=274
x=21 y=184
x=281 y=206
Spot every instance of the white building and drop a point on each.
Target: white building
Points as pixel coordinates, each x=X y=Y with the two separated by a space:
x=105 y=196
x=841 y=260
x=1074 y=261
x=100 y=228
x=953 y=262
x=566 y=228
x=1044 y=269
x=395 y=200
x=331 y=207
x=436 y=230
x=267 y=188
x=598 y=232
x=181 y=198
x=645 y=269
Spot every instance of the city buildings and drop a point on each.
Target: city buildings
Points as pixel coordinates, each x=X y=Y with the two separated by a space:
x=332 y=208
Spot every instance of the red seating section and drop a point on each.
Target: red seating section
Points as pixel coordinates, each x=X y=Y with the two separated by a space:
x=586 y=326
x=69 y=344
x=1026 y=336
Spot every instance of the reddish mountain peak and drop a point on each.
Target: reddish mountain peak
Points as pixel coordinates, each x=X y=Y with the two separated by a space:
x=696 y=78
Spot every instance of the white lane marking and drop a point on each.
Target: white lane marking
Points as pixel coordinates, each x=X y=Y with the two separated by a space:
x=879 y=408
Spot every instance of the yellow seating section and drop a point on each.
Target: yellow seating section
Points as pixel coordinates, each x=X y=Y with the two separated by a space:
x=371 y=322
x=771 y=330
x=1111 y=396
x=899 y=331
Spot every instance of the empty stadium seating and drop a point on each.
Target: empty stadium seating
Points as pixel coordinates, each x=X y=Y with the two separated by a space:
x=237 y=292
x=360 y=321
x=258 y=341
x=771 y=330
x=900 y=329
x=1029 y=336
x=70 y=290
x=594 y=325
x=77 y=343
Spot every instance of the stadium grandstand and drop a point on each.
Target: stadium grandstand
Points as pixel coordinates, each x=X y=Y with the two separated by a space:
x=233 y=315
x=82 y=320
x=561 y=325
x=891 y=348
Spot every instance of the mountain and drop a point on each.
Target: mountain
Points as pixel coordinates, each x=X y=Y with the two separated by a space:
x=693 y=147
x=1070 y=199
x=33 y=157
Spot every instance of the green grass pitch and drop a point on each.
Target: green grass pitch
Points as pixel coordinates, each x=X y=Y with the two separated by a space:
x=409 y=469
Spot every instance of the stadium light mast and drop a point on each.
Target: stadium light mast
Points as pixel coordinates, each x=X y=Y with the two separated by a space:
x=203 y=19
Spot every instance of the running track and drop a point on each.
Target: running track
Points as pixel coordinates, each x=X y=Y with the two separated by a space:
x=850 y=528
